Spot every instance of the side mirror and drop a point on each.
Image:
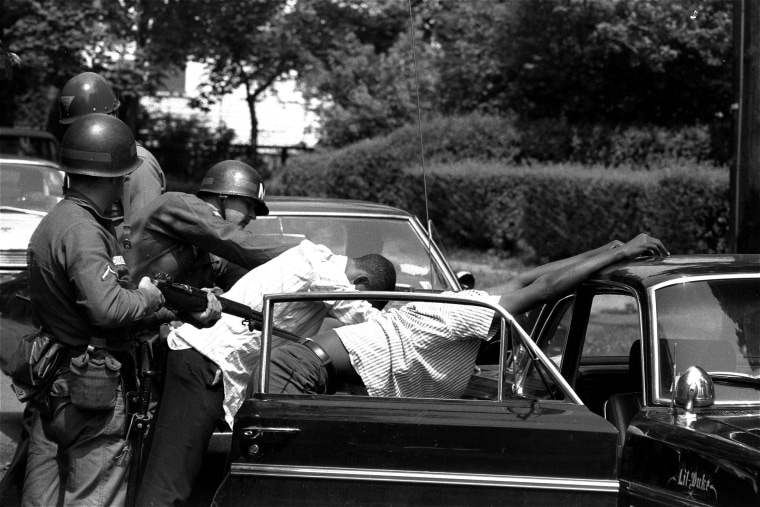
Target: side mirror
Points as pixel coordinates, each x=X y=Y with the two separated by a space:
x=694 y=388
x=466 y=280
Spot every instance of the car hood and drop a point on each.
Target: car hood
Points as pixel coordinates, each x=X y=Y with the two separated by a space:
x=16 y=229
x=740 y=427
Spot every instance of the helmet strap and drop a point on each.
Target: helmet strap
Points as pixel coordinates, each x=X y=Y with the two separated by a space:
x=221 y=198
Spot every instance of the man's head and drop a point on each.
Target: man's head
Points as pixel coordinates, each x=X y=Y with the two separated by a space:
x=371 y=272
x=86 y=93
x=98 y=150
x=237 y=190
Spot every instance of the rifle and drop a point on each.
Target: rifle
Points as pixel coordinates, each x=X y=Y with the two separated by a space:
x=179 y=296
x=139 y=423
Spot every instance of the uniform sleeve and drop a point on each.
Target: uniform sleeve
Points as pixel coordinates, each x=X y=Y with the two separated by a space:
x=94 y=276
x=147 y=182
x=190 y=219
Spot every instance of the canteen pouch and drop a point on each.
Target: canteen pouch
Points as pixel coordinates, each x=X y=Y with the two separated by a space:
x=33 y=365
x=94 y=380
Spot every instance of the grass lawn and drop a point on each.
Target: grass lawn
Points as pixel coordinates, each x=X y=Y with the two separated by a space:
x=490 y=270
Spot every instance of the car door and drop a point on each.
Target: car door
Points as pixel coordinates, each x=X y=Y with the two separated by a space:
x=507 y=448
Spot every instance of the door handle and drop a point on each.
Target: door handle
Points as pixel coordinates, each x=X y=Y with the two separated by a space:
x=254 y=432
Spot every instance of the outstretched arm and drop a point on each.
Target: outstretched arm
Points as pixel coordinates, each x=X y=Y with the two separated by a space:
x=526 y=278
x=567 y=276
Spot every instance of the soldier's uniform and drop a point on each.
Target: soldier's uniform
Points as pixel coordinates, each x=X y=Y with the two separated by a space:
x=76 y=288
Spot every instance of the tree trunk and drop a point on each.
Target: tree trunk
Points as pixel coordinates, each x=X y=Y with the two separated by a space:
x=253 y=147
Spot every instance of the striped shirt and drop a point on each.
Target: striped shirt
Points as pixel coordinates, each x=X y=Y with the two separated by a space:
x=235 y=349
x=422 y=350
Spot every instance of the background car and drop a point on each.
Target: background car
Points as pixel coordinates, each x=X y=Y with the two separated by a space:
x=29 y=188
x=354 y=228
x=29 y=143
x=601 y=407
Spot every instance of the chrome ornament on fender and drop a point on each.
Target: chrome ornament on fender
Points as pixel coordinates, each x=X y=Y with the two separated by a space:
x=694 y=388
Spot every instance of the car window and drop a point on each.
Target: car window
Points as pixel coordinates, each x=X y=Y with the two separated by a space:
x=713 y=324
x=354 y=237
x=29 y=146
x=30 y=187
x=555 y=338
x=613 y=326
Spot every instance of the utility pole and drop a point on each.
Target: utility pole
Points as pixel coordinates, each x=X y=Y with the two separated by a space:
x=745 y=170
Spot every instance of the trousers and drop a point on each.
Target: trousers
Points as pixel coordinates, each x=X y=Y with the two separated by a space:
x=76 y=456
x=191 y=404
x=293 y=369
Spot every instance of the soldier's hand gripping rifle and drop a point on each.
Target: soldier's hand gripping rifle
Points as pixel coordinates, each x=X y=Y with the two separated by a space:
x=182 y=297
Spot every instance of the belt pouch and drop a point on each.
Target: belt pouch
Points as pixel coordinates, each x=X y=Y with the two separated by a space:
x=94 y=378
x=33 y=365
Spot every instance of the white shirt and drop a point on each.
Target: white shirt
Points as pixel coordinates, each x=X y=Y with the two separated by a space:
x=422 y=350
x=235 y=349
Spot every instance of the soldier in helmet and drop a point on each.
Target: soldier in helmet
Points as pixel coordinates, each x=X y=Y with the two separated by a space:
x=78 y=294
x=88 y=93
x=192 y=237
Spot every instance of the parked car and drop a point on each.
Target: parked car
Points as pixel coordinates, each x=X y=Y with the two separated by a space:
x=355 y=228
x=29 y=188
x=29 y=143
x=642 y=388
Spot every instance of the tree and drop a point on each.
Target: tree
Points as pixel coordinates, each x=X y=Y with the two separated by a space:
x=362 y=69
x=48 y=37
x=243 y=43
x=126 y=41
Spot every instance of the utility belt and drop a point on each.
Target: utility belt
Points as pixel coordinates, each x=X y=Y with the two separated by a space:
x=42 y=367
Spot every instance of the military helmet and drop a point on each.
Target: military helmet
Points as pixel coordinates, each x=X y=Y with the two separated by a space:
x=86 y=93
x=99 y=145
x=233 y=177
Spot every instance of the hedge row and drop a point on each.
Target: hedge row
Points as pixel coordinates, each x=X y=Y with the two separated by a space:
x=487 y=190
x=493 y=138
x=546 y=212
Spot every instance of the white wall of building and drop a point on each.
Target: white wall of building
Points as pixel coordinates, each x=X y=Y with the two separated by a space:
x=284 y=119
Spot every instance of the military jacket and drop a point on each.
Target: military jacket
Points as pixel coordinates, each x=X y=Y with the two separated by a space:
x=77 y=277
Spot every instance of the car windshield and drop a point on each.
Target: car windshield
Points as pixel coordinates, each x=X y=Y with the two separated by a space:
x=29 y=146
x=395 y=239
x=713 y=324
x=29 y=187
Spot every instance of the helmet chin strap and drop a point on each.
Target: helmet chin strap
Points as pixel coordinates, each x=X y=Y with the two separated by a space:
x=222 y=210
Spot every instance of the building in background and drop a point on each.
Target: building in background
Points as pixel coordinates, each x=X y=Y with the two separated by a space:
x=284 y=119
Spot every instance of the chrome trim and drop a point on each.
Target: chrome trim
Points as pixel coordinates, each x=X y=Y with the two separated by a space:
x=657 y=398
x=271 y=429
x=618 y=288
x=403 y=476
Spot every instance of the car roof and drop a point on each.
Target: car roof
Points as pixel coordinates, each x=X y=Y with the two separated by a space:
x=25 y=132
x=646 y=272
x=21 y=160
x=282 y=205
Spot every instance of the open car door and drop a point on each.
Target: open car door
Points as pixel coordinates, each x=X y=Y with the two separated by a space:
x=519 y=436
